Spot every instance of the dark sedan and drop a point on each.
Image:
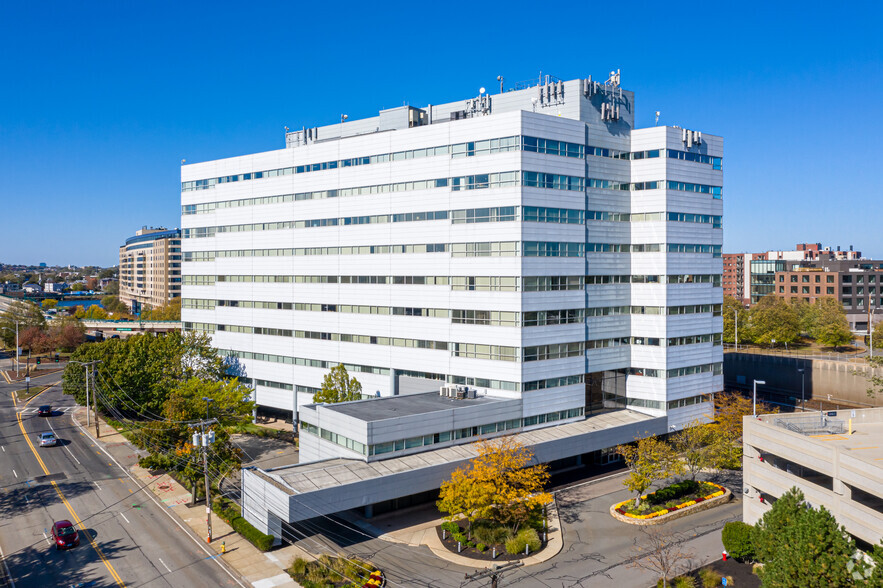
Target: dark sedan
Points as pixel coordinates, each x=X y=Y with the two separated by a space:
x=44 y=410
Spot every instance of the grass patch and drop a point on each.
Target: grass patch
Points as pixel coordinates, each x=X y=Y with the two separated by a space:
x=24 y=395
x=332 y=572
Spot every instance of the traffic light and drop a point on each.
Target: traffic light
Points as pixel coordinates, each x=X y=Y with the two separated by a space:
x=57 y=359
x=38 y=361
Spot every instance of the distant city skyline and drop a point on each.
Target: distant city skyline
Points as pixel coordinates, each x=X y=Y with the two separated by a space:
x=104 y=100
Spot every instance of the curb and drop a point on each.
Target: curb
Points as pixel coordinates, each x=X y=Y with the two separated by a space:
x=699 y=507
x=554 y=545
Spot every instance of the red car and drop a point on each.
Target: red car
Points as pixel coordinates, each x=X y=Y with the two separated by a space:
x=64 y=535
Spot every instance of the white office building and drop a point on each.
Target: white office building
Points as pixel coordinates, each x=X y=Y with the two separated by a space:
x=532 y=246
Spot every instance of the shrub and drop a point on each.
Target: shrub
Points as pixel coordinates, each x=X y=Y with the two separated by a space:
x=673 y=492
x=525 y=537
x=490 y=535
x=480 y=546
x=451 y=527
x=710 y=578
x=736 y=537
x=459 y=537
x=683 y=582
x=228 y=511
x=470 y=544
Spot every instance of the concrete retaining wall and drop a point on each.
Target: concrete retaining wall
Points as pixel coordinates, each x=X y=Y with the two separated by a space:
x=823 y=378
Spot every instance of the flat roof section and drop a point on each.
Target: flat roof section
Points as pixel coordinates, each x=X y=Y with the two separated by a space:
x=864 y=444
x=322 y=475
x=390 y=407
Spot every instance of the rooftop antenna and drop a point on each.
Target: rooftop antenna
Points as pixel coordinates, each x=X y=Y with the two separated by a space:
x=657 y=118
x=183 y=161
x=534 y=102
x=500 y=79
x=343 y=117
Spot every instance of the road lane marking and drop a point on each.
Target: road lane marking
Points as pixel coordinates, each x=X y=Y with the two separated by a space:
x=96 y=485
x=14 y=474
x=6 y=568
x=65 y=446
x=3 y=448
x=187 y=531
x=46 y=537
x=70 y=508
x=124 y=518
x=164 y=565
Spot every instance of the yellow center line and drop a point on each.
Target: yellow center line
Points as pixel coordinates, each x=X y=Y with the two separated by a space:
x=70 y=509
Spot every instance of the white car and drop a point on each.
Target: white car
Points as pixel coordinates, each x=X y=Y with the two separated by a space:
x=48 y=440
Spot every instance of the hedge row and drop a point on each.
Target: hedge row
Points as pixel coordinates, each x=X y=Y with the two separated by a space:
x=228 y=511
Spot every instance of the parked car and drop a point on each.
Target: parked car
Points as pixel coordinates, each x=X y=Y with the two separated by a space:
x=48 y=440
x=64 y=535
x=44 y=410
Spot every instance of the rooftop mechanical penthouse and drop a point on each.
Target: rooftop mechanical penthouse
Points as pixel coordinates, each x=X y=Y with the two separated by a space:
x=532 y=246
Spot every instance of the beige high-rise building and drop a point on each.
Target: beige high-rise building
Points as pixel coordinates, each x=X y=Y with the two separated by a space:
x=150 y=268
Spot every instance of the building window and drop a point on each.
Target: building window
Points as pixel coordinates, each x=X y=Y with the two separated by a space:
x=804 y=278
x=793 y=278
x=818 y=289
x=781 y=289
x=804 y=290
x=781 y=278
x=794 y=289
x=830 y=290
x=829 y=279
x=847 y=290
x=846 y=279
x=818 y=279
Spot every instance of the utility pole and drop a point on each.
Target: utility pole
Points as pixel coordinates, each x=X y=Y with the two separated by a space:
x=495 y=573
x=203 y=440
x=90 y=366
x=95 y=399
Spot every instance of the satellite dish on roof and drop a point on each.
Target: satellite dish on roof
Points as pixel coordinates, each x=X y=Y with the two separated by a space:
x=481 y=90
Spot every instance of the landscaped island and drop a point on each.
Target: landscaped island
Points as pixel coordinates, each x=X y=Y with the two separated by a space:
x=669 y=499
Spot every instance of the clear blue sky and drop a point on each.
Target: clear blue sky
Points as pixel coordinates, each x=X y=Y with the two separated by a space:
x=100 y=101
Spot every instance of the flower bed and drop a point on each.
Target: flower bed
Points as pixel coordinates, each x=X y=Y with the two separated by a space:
x=648 y=510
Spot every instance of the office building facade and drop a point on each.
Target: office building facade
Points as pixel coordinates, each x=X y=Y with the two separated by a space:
x=150 y=268
x=532 y=246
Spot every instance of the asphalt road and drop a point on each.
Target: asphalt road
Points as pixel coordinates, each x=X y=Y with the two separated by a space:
x=126 y=539
x=598 y=549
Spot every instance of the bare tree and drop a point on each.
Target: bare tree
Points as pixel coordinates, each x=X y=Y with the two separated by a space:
x=661 y=553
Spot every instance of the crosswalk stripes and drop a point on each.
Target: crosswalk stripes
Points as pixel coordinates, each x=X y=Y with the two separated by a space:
x=34 y=409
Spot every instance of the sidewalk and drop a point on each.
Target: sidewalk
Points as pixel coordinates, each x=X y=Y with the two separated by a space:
x=254 y=567
x=416 y=530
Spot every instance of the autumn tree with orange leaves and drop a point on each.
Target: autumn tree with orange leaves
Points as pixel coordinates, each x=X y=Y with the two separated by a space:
x=499 y=485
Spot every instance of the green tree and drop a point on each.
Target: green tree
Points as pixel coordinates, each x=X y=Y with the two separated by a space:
x=114 y=304
x=732 y=309
x=137 y=375
x=694 y=443
x=27 y=314
x=338 y=386
x=802 y=546
x=94 y=312
x=648 y=459
x=773 y=319
x=49 y=303
x=169 y=312
x=78 y=287
x=170 y=441
x=113 y=288
x=107 y=273
x=831 y=328
x=875 y=381
x=500 y=485
x=874 y=577
x=807 y=315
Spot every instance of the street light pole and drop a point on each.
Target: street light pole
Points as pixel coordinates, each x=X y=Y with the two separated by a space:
x=16 y=346
x=736 y=322
x=754 y=398
x=802 y=388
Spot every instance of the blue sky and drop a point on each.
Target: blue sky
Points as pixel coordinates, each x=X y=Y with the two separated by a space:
x=100 y=101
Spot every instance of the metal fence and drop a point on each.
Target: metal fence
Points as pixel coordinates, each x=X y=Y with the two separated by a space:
x=814 y=425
